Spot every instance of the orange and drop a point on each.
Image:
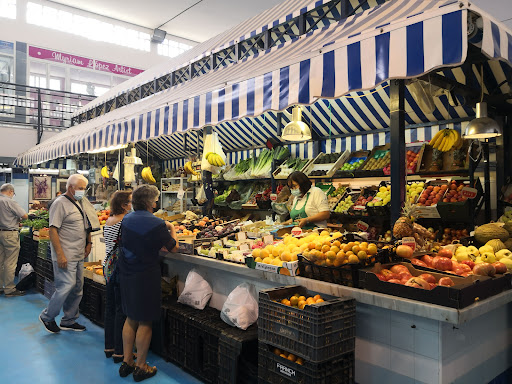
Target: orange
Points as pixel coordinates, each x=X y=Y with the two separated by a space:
x=347 y=248
x=349 y=253
x=294 y=300
x=310 y=301
x=329 y=263
x=335 y=249
x=340 y=254
x=302 y=304
x=319 y=301
x=318 y=247
x=372 y=249
x=351 y=244
x=330 y=255
x=302 y=298
x=353 y=259
x=337 y=262
x=356 y=249
x=311 y=245
x=316 y=297
x=325 y=248
x=299 y=361
x=357 y=242
x=292 y=357
x=363 y=245
x=362 y=255
x=336 y=243
x=277 y=351
x=283 y=355
x=286 y=302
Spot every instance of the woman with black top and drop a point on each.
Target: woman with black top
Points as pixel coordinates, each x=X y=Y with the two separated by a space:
x=142 y=237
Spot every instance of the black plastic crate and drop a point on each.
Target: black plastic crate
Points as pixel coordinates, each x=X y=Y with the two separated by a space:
x=43 y=249
x=175 y=335
x=274 y=369
x=316 y=333
x=40 y=283
x=45 y=268
x=94 y=306
x=202 y=351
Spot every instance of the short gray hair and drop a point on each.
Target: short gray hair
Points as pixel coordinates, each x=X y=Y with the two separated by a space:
x=73 y=180
x=7 y=187
x=144 y=197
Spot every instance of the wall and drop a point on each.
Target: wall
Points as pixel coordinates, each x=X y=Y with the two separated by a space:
x=19 y=30
x=19 y=139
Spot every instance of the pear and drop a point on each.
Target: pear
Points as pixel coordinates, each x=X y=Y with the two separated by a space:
x=488 y=257
x=503 y=253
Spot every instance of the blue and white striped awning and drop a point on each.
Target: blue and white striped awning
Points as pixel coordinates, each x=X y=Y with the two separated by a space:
x=357 y=56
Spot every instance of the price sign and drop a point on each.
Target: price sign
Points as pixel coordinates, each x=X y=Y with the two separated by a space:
x=410 y=242
x=362 y=225
x=469 y=192
x=273 y=197
x=296 y=231
x=377 y=199
x=244 y=247
x=269 y=239
x=359 y=207
x=241 y=236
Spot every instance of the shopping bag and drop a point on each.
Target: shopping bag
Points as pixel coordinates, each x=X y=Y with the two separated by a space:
x=27 y=282
x=212 y=144
x=110 y=262
x=241 y=307
x=25 y=270
x=197 y=291
x=201 y=195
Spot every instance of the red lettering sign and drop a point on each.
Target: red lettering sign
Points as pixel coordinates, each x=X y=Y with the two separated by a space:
x=362 y=225
x=469 y=192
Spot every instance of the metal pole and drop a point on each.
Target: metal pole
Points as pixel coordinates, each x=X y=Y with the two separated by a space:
x=39 y=117
x=397 y=128
x=487 y=182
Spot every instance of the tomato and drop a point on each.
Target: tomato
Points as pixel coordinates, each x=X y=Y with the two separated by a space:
x=396 y=281
x=418 y=282
x=404 y=251
x=381 y=277
x=428 y=278
x=404 y=275
x=385 y=272
x=500 y=267
x=445 y=253
x=393 y=276
x=427 y=260
x=432 y=285
x=446 y=282
x=469 y=263
x=442 y=263
x=398 y=268
x=464 y=267
x=419 y=263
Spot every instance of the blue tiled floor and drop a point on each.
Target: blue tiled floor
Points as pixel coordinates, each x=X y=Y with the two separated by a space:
x=30 y=355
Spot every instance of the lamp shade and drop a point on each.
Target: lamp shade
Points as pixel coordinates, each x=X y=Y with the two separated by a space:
x=296 y=130
x=482 y=127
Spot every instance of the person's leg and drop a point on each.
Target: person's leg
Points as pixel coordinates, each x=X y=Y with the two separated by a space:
x=2 y=260
x=119 y=319
x=70 y=305
x=129 y=332
x=143 y=340
x=11 y=245
x=110 y=314
x=65 y=281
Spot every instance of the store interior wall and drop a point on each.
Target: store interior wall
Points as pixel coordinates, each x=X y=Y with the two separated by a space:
x=19 y=138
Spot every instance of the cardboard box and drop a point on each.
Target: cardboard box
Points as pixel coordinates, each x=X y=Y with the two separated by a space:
x=87 y=273
x=431 y=211
x=288 y=269
x=330 y=168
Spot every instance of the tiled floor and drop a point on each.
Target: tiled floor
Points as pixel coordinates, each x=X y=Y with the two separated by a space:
x=30 y=355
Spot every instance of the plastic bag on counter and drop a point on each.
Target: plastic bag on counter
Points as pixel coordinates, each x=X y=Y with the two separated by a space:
x=197 y=291
x=241 y=307
x=26 y=269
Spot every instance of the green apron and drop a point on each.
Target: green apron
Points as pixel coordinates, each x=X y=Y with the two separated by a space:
x=301 y=213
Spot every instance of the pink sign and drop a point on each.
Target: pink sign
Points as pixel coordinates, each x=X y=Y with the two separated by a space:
x=116 y=68
x=59 y=57
x=84 y=62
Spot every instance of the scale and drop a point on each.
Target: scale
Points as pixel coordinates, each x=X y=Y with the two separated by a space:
x=196 y=166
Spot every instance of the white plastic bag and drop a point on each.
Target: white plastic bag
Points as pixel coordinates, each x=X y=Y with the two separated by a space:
x=212 y=144
x=197 y=291
x=201 y=195
x=241 y=307
x=26 y=269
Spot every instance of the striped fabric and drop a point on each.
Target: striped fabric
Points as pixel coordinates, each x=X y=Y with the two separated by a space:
x=399 y=39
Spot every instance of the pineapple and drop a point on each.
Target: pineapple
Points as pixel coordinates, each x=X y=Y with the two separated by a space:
x=459 y=157
x=437 y=160
x=404 y=225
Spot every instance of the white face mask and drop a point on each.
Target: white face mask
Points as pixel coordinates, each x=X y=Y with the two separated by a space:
x=79 y=195
x=295 y=192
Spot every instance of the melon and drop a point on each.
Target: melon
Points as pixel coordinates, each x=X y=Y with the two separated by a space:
x=496 y=244
x=508 y=244
x=508 y=227
x=487 y=232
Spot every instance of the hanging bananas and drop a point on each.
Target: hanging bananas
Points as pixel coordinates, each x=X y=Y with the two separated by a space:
x=446 y=139
x=105 y=172
x=147 y=175
x=215 y=159
x=189 y=169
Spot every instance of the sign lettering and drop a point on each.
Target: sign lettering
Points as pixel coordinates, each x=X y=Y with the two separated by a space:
x=469 y=192
x=362 y=225
x=410 y=242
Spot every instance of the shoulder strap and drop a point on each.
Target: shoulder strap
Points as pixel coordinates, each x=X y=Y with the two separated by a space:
x=76 y=205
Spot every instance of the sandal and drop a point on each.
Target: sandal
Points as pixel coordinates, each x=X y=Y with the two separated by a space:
x=125 y=369
x=119 y=358
x=108 y=353
x=142 y=374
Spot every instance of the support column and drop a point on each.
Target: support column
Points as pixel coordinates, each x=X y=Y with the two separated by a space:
x=397 y=129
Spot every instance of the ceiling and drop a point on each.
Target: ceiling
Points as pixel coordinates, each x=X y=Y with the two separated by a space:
x=204 y=20
x=500 y=9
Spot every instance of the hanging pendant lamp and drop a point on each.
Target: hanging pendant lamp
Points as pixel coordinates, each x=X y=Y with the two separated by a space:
x=296 y=130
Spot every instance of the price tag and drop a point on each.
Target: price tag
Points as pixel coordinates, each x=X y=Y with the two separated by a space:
x=377 y=199
x=469 y=192
x=359 y=207
x=240 y=236
x=362 y=225
x=244 y=247
x=410 y=242
x=269 y=239
x=273 y=197
x=296 y=231
x=180 y=194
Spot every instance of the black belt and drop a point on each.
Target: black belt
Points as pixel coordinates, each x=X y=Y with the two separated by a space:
x=7 y=230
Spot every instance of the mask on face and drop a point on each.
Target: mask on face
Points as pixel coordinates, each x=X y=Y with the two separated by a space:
x=296 y=192
x=79 y=195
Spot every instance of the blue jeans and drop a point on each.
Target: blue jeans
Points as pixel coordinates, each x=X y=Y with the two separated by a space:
x=69 y=288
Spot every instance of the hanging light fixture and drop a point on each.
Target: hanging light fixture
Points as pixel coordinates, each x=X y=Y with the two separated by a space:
x=296 y=130
x=482 y=127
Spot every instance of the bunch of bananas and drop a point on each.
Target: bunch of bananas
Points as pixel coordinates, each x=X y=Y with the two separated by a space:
x=215 y=159
x=189 y=169
x=147 y=175
x=105 y=172
x=446 y=139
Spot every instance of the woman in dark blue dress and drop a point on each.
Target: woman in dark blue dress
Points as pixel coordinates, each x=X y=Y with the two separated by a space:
x=142 y=237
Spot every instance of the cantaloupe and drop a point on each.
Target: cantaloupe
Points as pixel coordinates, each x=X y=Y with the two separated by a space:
x=487 y=232
x=496 y=244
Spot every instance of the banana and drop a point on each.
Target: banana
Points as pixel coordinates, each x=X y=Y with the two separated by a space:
x=458 y=145
x=143 y=174
x=147 y=175
x=105 y=172
x=436 y=139
x=449 y=142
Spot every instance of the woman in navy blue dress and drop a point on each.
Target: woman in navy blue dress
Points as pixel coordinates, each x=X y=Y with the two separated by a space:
x=142 y=237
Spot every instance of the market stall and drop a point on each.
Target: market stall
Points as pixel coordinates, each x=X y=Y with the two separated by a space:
x=376 y=79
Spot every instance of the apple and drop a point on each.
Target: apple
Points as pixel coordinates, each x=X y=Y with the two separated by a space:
x=399 y=268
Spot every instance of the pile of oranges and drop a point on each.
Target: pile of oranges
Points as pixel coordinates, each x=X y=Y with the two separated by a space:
x=298 y=301
x=289 y=356
x=335 y=254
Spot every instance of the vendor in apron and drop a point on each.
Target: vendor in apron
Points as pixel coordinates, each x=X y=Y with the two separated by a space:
x=310 y=208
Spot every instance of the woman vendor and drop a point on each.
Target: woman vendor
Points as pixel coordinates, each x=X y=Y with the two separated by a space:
x=310 y=208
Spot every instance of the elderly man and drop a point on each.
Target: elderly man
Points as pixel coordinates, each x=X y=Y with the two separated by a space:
x=70 y=244
x=10 y=215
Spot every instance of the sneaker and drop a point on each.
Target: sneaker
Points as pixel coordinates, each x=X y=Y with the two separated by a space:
x=125 y=369
x=143 y=374
x=51 y=326
x=73 y=327
x=15 y=293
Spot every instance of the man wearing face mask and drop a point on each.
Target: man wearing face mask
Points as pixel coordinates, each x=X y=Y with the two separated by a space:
x=70 y=244
x=10 y=215
x=310 y=207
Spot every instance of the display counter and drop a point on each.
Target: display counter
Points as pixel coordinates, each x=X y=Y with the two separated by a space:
x=397 y=340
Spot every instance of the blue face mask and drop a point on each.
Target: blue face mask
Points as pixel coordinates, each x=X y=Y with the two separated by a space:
x=296 y=192
x=79 y=195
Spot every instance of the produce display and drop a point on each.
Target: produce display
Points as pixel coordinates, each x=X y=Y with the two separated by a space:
x=328 y=158
x=334 y=197
x=37 y=220
x=449 y=235
x=353 y=164
x=290 y=166
x=383 y=197
x=406 y=227
x=213 y=230
x=431 y=195
x=414 y=191
x=446 y=140
x=412 y=157
x=400 y=274
x=454 y=192
x=287 y=355
x=344 y=205
x=379 y=160
x=298 y=301
x=103 y=216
